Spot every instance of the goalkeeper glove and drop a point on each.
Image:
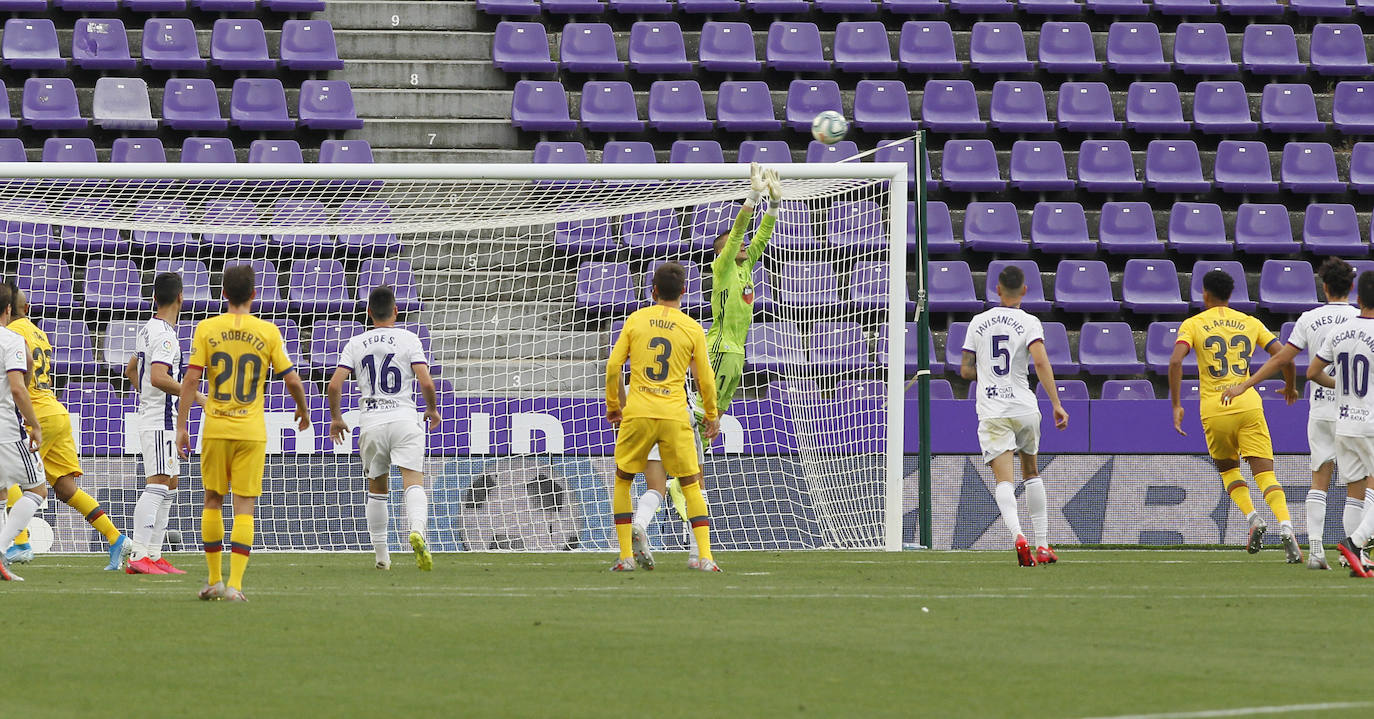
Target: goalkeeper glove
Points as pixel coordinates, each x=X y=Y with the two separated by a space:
x=757 y=185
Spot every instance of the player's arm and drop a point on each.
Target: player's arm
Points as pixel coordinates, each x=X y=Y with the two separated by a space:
x=1289 y=371
x=1317 y=372
x=706 y=386
x=759 y=243
x=190 y=387
x=968 y=367
x=726 y=259
x=20 y=394
x=1280 y=358
x=1045 y=373
x=1181 y=350
x=338 y=429
x=131 y=373
x=426 y=381
x=614 y=368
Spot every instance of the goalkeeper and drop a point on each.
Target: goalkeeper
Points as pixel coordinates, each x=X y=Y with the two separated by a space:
x=732 y=314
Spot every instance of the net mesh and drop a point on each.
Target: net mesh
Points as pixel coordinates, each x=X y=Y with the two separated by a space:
x=517 y=289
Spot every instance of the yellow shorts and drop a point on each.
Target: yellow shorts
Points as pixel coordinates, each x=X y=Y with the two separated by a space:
x=677 y=445
x=1242 y=434
x=58 y=449
x=233 y=465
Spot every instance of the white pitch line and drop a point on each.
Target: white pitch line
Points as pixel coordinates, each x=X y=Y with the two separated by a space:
x=1245 y=711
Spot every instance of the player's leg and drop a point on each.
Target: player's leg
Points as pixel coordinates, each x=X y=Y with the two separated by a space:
x=1357 y=460
x=159 y=540
x=376 y=458
x=245 y=483
x=1258 y=450
x=633 y=442
x=679 y=446
x=149 y=504
x=1038 y=504
x=25 y=470
x=20 y=552
x=1223 y=446
x=656 y=482
x=417 y=516
x=214 y=475
x=63 y=467
x=1316 y=514
x=997 y=439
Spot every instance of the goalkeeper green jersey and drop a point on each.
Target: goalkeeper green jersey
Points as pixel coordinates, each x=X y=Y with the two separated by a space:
x=732 y=290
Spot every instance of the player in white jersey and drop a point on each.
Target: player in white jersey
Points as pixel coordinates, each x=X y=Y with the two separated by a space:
x=386 y=360
x=1350 y=349
x=1000 y=343
x=1309 y=332
x=20 y=463
x=155 y=372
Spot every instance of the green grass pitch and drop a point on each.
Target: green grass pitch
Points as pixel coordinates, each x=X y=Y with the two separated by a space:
x=1102 y=633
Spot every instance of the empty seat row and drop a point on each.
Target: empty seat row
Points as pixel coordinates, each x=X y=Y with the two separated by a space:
x=193 y=149
x=1200 y=8
x=246 y=6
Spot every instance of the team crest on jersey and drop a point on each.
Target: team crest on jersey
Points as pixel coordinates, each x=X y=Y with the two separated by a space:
x=747 y=294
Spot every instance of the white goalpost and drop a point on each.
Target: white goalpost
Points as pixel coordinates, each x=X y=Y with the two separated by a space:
x=517 y=278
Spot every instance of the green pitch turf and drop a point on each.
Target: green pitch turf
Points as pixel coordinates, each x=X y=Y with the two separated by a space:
x=792 y=634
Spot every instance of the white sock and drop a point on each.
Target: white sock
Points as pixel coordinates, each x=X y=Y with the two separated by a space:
x=149 y=503
x=19 y=516
x=1360 y=536
x=417 y=508
x=1006 y=502
x=1352 y=514
x=377 y=518
x=1038 y=504
x=1316 y=519
x=647 y=507
x=164 y=514
x=1368 y=495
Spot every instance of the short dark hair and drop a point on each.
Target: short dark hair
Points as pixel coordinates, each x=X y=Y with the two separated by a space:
x=6 y=297
x=381 y=302
x=1366 y=289
x=722 y=237
x=1011 y=277
x=238 y=284
x=1337 y=275
x=1219 y=283
x=12 y=299
x=670 y=279
x=166 y=288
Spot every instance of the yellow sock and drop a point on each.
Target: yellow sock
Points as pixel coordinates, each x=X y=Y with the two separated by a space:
x=10 y=498
x=240 y=545
x=696 y=513
x=1239 y=490
x=1273 y=495
x=90 y=509
x=623 y=511
x=212 y=533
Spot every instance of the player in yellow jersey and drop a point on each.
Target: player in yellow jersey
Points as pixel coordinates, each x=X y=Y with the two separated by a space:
x=60 y=461
x=236 y=353
x=660 y=342
x=1224 y=339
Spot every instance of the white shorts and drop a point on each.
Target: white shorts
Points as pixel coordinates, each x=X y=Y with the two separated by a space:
x=160 y=453
x=1321 y=441
x=1009 y=434
x=1354 y=459
x=20 y=466
x=398 y=443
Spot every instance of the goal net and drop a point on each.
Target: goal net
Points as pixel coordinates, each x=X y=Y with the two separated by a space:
x=517 y=279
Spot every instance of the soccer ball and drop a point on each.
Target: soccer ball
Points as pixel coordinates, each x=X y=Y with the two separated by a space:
x=829 y=127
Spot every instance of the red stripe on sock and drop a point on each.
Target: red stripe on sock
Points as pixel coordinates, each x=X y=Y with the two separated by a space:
x=95 y=514
x=1274 y=488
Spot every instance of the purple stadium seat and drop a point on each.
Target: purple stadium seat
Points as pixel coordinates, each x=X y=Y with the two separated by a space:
x=1338 y=49
x=12 y=150
x=939 y=228
x=856 y=225
x=847 y=7
x=746 y=107
x=778 y=7
x=589 y=236
x=1222 y=108
x=951 y=106
x=697 y=7
x=195 y=281
x=516 y=47
x=372 y=243
x=658 y=47
x=1039 y=167
x=993 y=227
x=1270 y=50
x=1332 y=230
x=162 y=242
x=26 y=237
x=541 y=106
x=1060 y=228
x=89 y=239
x=207 y=149
x=1107 y=166
x=1151 y=287
x=795 y=47
x=294 y=6
x=101 y=45
x=232 y=212
x=915 y=7
x=1362 y=168
x=652 y=232
x=1202 y=49
x=971 y=166
x=678 y=106
x=950 y=288
x=1118 y=7
x=1160 y=339
x=927 y=46
x=121 y=103
x=606 y=287
x=1067 y=48
x=1051 y=7
x=869 y=284
x=773 y=346
x=31 y=44
x=1310 y=167
x=1264 y=230
x=69 y=149
x=795 y=229
x=394 y=273
x=764 y=151
x=1019 y=107
x=1352 y=108
x=710 y=220
x=1197 y=228
x=354 y=151
x=1240 y=296
x=1135 y=48
x=170 y=44
x=1252 y=8
x=903 y=152
x=1155 y=107
x=509 y=7
x=1086 y=107
x=1289 y=108
x=225 y=5
x=1129 y=228
x=327 y=340
x=1243 y=167
x=269 y=299
x=259 y=104
x=1320 y=8
x=728 y=47
x=609 y=106
x=317 y=286
x=141 y=149
x=839 y=346
x=1125 y=389
x=1287 y=286
x=694 y=300
x=309 y=45
x=883 y=106
x=1034 y=301
x=328 y=105
x=50 y=104
x=239 y=44
x=117 y=348
x=1185 y=7
x=1084 y=286
x=275 y=151
x=23 y=6
x=47 y=283
x=982 y=7
x=1304 y=358
x=301 y=214
x=192 y=104
x=113 y=285
x=1174 y=166
x=73 y=347
x=806 y=284
x=911 y=354
x=808 y=98
x=641 y=7
x=589 y=47
x=817 y=151
x=1061 y=361
x=998 y=47
x=862 y=47
x=6 y=121
x=954 y=344
x=548 y=151
x=628 y=152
